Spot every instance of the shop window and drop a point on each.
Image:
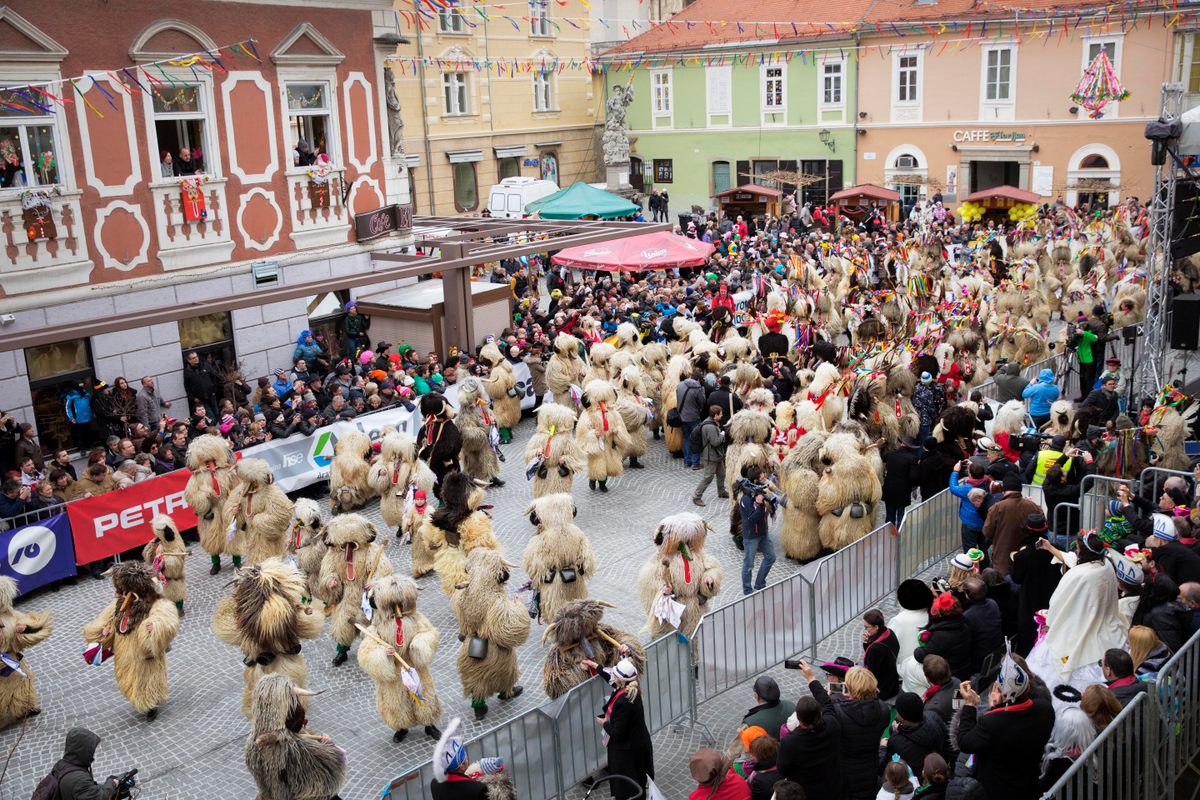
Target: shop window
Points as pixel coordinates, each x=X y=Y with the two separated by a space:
x=54 y=371
x=308 y=111
x=508 y=167
x=762 y=169
x=549 y=162
x=664 y=170
x=325 y=314
x=454 y=91
x=720 y=177
x=180 y=121
x=211 y=336
x=466 y=193
x=28 y=153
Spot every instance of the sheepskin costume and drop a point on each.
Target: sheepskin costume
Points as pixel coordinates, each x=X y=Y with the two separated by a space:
x=306 y=543
x=259 y=510
x=553 y=450
x=564 y=369
x=1062 y=418
x=166 y=553
x=400 y=626
x=679 y=568
x=577 y=634
x=1011 y=418
x=353 y=560
x=501 y=384
x=287 y=761
x=1171 y=431
x=787 y=432
x=744 y=380
x=138 y=627
x=19 y=630
x=559 y=558
x=212 y=465
x=266 y=617
x=628 y=338
x=439 y=442
x=348 y=487
x=457 y=528
x=475 y=422
x=826 y=405
x=405 y=487
x=601 y=435
x=493 y=625
x=751 y=441
x=652 y=358
x=599 y=358
x=900 y=384
x=678 y=368
x=632 y=405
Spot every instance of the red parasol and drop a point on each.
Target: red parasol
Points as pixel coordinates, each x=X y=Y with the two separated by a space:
x=659 y=250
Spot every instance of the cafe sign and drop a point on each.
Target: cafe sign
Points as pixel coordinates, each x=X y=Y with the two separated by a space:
x=979 y=136
x=382 y=221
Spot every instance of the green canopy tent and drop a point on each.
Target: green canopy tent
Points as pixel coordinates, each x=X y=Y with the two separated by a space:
x=581 y=200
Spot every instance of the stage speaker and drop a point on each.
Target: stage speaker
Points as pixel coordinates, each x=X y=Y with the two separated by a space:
x=1185 y=322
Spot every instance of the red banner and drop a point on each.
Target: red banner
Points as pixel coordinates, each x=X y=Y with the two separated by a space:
x=116 y=521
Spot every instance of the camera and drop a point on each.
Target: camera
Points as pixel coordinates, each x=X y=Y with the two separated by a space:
x=126 y=784
x=1031 y=442
x=765 y=488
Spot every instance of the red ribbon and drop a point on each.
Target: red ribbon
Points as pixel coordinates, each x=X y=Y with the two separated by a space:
x=212 y=470
x=603 y=417
x=399 y=632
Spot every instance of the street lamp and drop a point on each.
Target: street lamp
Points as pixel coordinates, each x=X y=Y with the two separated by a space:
x=827 y=139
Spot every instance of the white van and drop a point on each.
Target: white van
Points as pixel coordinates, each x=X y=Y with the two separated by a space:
x=508 y=198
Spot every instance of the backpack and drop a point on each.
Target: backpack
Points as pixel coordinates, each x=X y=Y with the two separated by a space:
x=47 y=788
x=696 y=439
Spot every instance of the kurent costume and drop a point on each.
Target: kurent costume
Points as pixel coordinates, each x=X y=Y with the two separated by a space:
x=212 y=464
x=552 y=455
x=404 y=484
x=564 y=370
x=265 y=616
x=400 y=626
x=577 y=635
x=259 y=510
x=166 y=553
x=501 y=385
x=19 y=630
x=600 y=434
x=353 y=560
x=306 y=543
x=559 y=558
x=599 y=367
x=438 y=441
x=454 y=779
x=286 y=761
x=348 y=485
x=679 y=570
x=137 y=628
x=492 y=626
x=477 y=424
x=457 y=528
x=632 y=406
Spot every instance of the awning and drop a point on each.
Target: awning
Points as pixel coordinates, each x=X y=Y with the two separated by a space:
x=511 y=151
x=581 y=200
x=660 y=250
x=750 y=188
x=465 y=156
x=867 y=190
x=1005 y=193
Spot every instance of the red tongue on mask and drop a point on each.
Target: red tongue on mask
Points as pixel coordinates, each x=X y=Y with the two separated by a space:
x=350 y=571
x=212 y=470
x=399 y=632
x=296 y=530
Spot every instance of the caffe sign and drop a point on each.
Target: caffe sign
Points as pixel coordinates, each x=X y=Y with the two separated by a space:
x=979 y=136
x=382 y=221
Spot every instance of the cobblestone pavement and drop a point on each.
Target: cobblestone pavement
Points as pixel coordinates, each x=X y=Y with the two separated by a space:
x=197 y=741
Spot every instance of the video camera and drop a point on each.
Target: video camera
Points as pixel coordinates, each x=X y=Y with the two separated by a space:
x=1031 y=441
x=765 y=488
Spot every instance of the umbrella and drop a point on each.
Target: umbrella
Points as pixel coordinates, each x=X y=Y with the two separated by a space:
x=661 y=250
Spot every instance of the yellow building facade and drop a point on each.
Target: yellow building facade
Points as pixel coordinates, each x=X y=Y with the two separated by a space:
x=468 y=126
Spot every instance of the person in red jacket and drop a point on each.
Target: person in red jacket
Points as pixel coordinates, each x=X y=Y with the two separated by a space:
x=717 y=779
x=723 y=298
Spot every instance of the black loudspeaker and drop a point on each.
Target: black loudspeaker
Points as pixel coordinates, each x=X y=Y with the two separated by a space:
x=1185 y=322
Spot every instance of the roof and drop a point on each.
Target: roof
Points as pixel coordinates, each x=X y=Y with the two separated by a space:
x=753 y=188
x=866 y=190
x=581 y=200
x=1006 y=192
x=696 y=28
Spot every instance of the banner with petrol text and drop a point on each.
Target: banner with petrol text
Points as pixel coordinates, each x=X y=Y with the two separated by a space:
x=300 y=461
x=36 y=554
x=116 y=521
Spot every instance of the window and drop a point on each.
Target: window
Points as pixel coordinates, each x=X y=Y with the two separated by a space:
x=906 y=79
x=763 y=168
x=539 y=18
x=831 y=83
x=466 y=194
x=998 y=80
x=660 y=81
x=450 y=20
x=454 y=89
x=508 y=167
x=211 y=336
x=54 y=371
x=718 y=80
x=906 y=162
x=308 y=117
x=720 y=177
x=773 y=89
x=1187 y=62
x=28 y=155
x=664 y=171
x=179 y=125
x=1108 y=46
x=543 y=96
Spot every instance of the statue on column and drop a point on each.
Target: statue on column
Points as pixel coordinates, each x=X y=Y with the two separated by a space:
x=616 y=129
x=395 y=121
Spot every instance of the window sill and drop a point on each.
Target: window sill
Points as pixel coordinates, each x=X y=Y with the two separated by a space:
x=174 y=182
x=548 y=36
x=460 y=116
x=455 y=34
x=541 y=112
x=831 y=107
x=15 y=192
x=300 y=172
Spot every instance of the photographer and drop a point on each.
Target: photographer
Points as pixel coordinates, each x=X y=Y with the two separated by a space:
x=72 y=775
x=756 y=505
x=1083 y=340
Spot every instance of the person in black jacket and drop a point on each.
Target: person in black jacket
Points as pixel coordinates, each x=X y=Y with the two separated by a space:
x=880 y=650
x=934 y=468
x=1161 y=609
x=1005 y=596
x=947 y=635
x=723 y=398
x=1062 y=486
x=630 y=750
x=199 y=383
x=810 y=755
x=1117 y=667
x=74 y=769
x=765 y=774
x=899 y=477
x=861 y=720
x=943 y=687
x=916 y=732
x=983 y=618
x=439 y=441
x=1037 y=573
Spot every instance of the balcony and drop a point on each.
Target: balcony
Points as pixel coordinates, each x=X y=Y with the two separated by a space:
x=318 y=216
x=191 y=237
x=57 y=255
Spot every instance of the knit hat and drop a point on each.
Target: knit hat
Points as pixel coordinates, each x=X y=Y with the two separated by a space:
x=926 y=377
x=1128 y=571
x=493 y=765
x=914 y=595
x=1164 y=527
x=909 y=707
x=1013 y=681
x=748 y=735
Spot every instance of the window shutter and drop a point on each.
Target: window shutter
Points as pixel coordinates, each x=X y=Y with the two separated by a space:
x=835 y=177
x=743 y=174
x=718 y=89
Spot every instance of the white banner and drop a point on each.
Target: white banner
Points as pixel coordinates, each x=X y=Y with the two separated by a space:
x=524 y=387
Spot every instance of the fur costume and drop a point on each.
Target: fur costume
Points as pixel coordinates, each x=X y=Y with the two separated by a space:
x=1171 y=430
x=628 y=338
x=678 y=368
x=653 y=360
x=633 y=410
x=397 y=472
x=1011 y=418
x=600 y=434
x=486 y=612
x=414 y=638
x=212 y=465
x=554 y=444
x=352 y=561
x=475 y=421
x=501 y=384
x=265 y=616
x=598 y=363
x=138 y=627
x=900 y=384
x=306 y=542
x=787 y=432
x=559 y=558
x=680 y=567
x=564 y=369
x=576 y=634
x=825 y=406
x=19 y=630
x=751 y=437
x=348 y=487
x=1062 y=418
x=260 y=511
x=457 y=528
x=286 y=761
x=438 y=442
x=166 y=553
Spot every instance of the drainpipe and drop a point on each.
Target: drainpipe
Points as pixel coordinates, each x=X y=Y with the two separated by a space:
x=425 y=124
x=854 y=112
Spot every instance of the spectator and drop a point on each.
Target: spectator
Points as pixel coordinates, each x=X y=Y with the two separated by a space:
x=1004 y=593
x=1073 y=733
x=861 y=719
x=62 y=461
x=725 y=398
x=78 y=406
x=929 y=400
x=947 y=635
x=717 y=780
x=1119 y=676
x=1161 y=609
x=982 y=616
x=935 y=777
x=74 y=769
x=943 y=687
x=934 y=468
x=1037 y=573
x=14 y=499
x=899 y=477
x=764 y=774
x=354 y=331
x=1104 y=400
x=1041 y=393
x=755 y=536
x=1010 y=385
x=186 y=164
x=27 y=447
x=712 y=455
x=1147 y=651
x=303 y=154
x=917 y=731
x=337 y=410
x=880 y=650
x=689 y=397
x=630 y=750
x=769 y=712
x=970 y=504
x=898 y=782
x=1003 y=526
x=199 y=383
x=149 y=404
x=30 y=475
x=62 y=485
x=1062 y=486
x=1101 y=705
x=125 y=475
x=914 y=597
x=1085 y=347
x=1171 y=557
x=809 y=754
x=166 y=164
x=96 y=480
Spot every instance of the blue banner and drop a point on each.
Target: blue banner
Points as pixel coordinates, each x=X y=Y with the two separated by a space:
x=36 y=554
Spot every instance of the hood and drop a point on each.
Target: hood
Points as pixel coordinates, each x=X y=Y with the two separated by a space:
x=1046 y=375
x=1012 y=368
x=81 y=746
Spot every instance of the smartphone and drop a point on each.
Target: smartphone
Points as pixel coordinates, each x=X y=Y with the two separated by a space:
x=837 y=688
x=956 y=703
x=793 y=663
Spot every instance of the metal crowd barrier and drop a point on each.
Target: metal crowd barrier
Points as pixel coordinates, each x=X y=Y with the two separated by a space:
x=930 y=532
x=852 y=580
x=1114 y=766
x=1176 y=693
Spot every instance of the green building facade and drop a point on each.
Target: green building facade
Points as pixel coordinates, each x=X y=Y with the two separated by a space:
x=712 y=124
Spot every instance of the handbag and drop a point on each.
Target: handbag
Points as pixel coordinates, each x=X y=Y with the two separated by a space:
x=674 y=419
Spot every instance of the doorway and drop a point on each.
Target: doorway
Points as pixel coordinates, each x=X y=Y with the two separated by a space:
x=990 y=174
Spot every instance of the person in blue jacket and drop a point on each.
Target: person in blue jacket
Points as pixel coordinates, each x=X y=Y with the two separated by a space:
x=78 y=406
x=971 y=496
x=306 y=348
x=1041 y=393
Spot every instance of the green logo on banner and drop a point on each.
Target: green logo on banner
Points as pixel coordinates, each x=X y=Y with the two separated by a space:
x=322 y=453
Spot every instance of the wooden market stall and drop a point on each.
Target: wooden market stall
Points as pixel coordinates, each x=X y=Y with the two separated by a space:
x=857 y=201
x=748 y=200
x=415 y=313
x=999 y=199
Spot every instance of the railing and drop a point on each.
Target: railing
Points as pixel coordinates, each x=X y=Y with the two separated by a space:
x=1176 y=693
